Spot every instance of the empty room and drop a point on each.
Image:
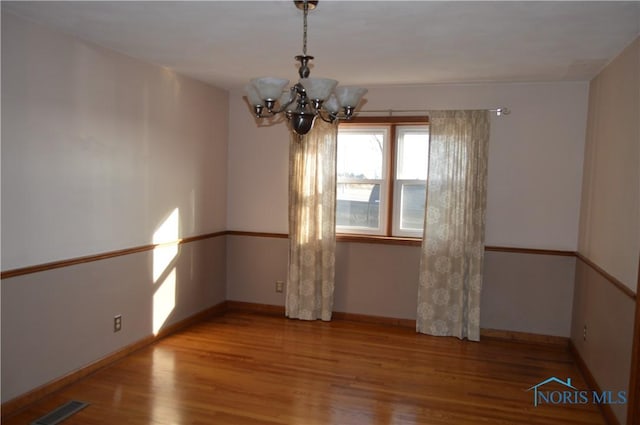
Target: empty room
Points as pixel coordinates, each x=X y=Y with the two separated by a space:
x=320 y=212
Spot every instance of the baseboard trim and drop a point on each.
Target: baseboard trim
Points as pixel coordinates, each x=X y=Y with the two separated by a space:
x=278 y=310
x=525 y=337
x=609 y=417
x=374 y=320
x=633 y=412
x=494 y=334
x=268 y=309
x=14 y=405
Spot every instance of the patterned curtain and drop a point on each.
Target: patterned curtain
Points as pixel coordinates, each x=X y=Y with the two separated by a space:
x=453 y=241
x=312 y=228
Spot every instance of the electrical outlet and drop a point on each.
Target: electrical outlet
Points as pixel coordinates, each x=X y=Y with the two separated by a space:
x=117 y=323
x=279 y=286
x=584 y=333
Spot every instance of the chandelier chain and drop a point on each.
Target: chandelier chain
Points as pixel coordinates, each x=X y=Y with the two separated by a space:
x=304 y=28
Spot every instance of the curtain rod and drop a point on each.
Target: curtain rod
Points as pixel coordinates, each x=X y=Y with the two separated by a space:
x=498 y=111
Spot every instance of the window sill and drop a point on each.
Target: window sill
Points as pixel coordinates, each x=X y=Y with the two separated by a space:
x=384 y=240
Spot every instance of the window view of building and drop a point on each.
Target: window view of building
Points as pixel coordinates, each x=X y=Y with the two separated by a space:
x=382 y=173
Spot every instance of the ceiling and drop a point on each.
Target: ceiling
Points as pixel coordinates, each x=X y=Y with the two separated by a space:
x=368 y=43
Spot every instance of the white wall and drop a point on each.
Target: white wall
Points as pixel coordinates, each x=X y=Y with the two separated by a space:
x=535 y=159
x=610 y=215
x=610 y=224
x=98 y=148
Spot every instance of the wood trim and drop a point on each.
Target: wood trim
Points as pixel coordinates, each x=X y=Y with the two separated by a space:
x=525 y=337
x=609 y=416
x=278 y=310
x=398 y=240
x=384 y=240
x=268 y=309
x=343 y=237
x=395 y=120
x=257 y=234
x=633 y=409
x=372 y=239
x=374 y=320
x=201 y=237
x=391 y=166
x=72 y=262
x=530 y=251
x=494 y=334
x=12 y=406
x=621 y=286
x=392 y=240
x=97 y=257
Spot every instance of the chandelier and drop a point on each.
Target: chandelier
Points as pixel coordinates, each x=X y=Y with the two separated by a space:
x=309 y=98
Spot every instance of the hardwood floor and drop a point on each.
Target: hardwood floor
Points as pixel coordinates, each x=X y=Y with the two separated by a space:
x=244 y=368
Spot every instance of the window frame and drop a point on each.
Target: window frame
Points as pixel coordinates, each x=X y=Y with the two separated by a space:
x=390 y=230
x=383 y=182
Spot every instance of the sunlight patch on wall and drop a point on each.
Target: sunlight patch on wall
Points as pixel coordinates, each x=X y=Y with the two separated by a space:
x=164 y=299
x=167 y=236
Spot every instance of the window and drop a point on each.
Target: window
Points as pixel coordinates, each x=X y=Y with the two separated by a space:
x=382 y=173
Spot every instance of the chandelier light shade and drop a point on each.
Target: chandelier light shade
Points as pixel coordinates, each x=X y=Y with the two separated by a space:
x=309 y=98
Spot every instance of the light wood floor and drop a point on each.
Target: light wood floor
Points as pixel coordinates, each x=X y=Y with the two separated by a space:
x=245 y=368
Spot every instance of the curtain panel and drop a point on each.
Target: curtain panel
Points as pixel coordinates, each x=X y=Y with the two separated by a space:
x=453 y=242
x=312 y=229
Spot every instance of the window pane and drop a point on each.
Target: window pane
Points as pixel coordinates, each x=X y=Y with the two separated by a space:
x=412 y=206
x=360 y=154
x=358 y=205
x=413 y=153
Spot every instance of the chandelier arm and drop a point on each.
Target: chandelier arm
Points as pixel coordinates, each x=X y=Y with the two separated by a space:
x=282 y=109
x=334 y=116
x=297 y=93
x=326 y=116
x=262 y=114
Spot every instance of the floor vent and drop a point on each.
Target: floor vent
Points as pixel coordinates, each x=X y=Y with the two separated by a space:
x=61 y=413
